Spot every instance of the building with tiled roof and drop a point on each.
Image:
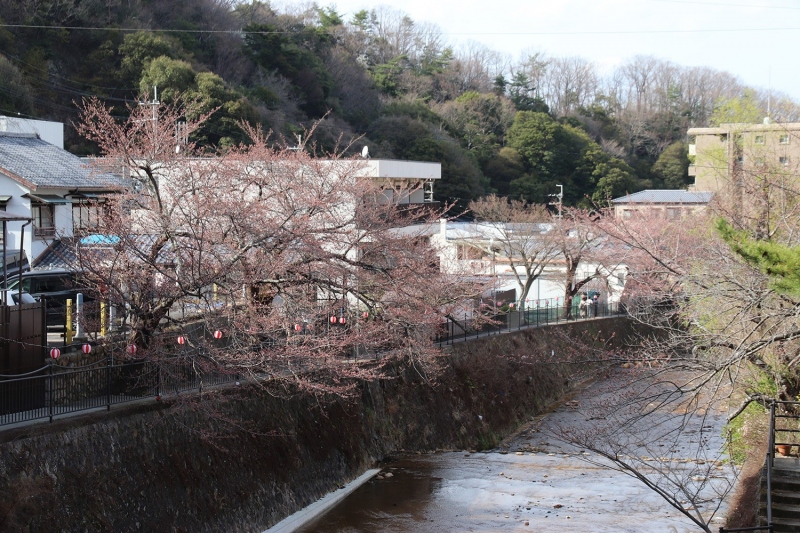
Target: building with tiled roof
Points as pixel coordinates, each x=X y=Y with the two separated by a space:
x=58 y=191
x=669 y=203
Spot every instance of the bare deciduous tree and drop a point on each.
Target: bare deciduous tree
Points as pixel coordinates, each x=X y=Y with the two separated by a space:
x=295 y=258
x=521 y=232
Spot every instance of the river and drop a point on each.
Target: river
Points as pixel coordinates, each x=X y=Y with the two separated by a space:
x=533 y=482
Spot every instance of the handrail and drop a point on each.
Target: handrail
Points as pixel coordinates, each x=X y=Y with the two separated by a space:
x=770 y=462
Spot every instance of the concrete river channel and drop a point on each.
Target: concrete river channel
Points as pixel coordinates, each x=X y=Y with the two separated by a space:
x=534 y=482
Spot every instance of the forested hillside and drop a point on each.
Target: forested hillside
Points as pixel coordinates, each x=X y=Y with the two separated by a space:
x=515 y=127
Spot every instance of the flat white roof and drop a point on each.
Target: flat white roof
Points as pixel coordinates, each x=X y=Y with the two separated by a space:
x=392 y=168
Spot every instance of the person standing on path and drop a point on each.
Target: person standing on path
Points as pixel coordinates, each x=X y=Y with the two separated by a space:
x=583 y=307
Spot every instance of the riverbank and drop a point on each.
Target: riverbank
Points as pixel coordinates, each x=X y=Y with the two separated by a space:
x=154 y=467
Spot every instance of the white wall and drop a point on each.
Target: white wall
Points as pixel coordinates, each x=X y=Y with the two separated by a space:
x=50 y=132
x=17 y=206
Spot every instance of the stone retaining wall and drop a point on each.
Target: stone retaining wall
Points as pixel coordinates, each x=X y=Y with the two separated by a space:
x=151 y=467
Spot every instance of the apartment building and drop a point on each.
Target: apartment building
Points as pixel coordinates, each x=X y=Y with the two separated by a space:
x=738 y=150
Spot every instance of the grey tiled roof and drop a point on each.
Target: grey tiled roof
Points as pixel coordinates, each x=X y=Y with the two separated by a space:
x=46 y=165
x=62 y=253
x=665 y=196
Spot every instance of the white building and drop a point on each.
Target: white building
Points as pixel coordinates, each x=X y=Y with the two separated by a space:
x=50 y=132
x=58 y=191
x=474 y=249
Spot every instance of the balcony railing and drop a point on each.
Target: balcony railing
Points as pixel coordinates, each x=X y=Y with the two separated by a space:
x=44 y=233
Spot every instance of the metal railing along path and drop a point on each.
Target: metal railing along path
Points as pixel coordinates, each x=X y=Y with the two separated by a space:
x=53 y=390
x=462 y=330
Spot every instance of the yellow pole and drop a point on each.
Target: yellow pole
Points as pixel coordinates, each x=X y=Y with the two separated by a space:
x=68 y=333
x=103 y=319
x=215 y=294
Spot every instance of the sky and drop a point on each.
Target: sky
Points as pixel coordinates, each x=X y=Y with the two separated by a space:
x=756 y=40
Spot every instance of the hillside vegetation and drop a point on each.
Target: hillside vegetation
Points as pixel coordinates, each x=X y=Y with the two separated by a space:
x=514 y=127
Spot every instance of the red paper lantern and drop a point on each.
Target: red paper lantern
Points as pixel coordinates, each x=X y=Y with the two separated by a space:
x=131 y=349
x=218 y=334
x=181 y=340
x=86 y=348
x=55 y=353
x=365 y=315
x=298 y=327
x=342 y=320
x=333 y=320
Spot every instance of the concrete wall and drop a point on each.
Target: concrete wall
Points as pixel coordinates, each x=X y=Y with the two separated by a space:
x=153 y=466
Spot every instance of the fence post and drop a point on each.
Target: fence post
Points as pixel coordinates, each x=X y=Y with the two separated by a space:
x=50 y=392
x=68 y=333
x=109 y=366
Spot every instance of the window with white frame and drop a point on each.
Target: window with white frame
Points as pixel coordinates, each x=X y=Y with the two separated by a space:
x=760 y=139
x=43 y=220
x=784 y=160
x=784 y=139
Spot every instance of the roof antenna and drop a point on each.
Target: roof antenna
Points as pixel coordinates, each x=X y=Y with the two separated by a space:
x=769 y=95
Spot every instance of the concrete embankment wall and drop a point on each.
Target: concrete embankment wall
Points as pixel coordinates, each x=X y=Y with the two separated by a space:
x=152 y=467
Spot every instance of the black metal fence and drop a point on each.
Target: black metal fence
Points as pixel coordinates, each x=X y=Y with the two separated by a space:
x=54 y=390
x=467 y=328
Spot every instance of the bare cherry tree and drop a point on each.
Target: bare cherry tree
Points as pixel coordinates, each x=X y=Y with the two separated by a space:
x=521 y=232
x=294 y=259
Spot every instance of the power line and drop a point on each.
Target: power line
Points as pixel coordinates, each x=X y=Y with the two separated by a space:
x=722 y=4
x=529 y=33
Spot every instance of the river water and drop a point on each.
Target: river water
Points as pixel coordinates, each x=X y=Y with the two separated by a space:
x=533 y=482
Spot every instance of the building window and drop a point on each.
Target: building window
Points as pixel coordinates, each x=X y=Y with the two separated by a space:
x=43 y=225
x=760 y=139
x=627 y=213
x=784 y=139
x=740 y=160
x=86 y=217
x=784 y=161
x=673 y=213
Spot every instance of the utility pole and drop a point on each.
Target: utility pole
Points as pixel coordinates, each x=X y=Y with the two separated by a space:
x=154 y=106
x=560 y=198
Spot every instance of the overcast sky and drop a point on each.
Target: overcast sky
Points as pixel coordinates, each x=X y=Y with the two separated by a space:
x=756 y=40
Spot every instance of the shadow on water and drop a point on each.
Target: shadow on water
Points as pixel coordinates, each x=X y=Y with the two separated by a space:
x=406 y=501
